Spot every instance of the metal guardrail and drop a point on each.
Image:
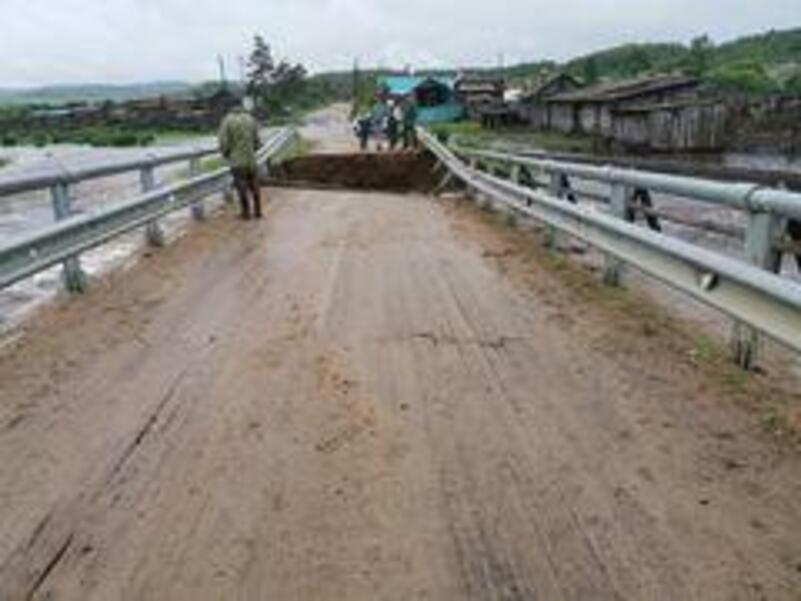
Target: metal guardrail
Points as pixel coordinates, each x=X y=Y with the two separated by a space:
x=72 y=235
x=759 y=301
x=62 y=174
x=744 y=196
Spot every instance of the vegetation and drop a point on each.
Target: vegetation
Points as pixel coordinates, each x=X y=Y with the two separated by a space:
x=471 y=134
x=65 y=94
x=765 y=63
x=283 y=89
x=743 y=76
x=109 y=136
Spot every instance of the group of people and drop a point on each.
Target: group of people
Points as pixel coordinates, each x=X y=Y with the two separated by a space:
x=240 y=143
x=387 y=121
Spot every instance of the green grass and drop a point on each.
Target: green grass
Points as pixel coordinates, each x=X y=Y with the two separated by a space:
x=301 y=147
x=212 y=164
x=471 y=134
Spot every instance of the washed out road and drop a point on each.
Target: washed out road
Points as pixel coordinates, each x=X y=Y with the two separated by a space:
x=368 y=396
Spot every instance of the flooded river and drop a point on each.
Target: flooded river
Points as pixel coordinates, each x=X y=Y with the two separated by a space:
x=23 y=214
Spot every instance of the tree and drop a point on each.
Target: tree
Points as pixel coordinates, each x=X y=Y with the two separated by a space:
x=276 y=87
x=260 y=68
x=699 y=58
x=743 y=76
x=590 y=70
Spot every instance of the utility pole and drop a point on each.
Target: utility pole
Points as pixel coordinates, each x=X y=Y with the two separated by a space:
x=242 y=75
x=221 y=63
x=356 y=85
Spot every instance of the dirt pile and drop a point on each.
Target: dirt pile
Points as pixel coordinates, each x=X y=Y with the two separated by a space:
x=395 y=172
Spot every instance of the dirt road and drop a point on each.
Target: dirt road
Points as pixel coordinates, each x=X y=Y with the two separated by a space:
x=372 y=396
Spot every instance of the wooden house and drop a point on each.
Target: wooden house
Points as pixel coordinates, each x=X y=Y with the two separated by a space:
x=532 y=107
x=478 y=93
x=590 y=110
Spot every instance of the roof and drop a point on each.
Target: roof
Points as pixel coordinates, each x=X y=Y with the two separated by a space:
x=631 y=88
x=402 y=85
x=542 y=84
x=479 y=84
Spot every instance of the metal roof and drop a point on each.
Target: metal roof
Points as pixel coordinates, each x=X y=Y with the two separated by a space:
x=402 y=85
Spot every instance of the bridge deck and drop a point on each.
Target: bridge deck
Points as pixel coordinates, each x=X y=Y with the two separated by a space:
x=369 y=396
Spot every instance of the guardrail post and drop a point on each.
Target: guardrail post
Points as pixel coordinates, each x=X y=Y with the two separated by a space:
x=613 y=267
x=762 y=237
x=198 y=208
x=74 y=276
x=153 y=232
x=555 y=190
x=471 y=191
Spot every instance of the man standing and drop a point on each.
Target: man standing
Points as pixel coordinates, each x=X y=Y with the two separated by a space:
x=410 y=125
x=239 y=143
x=392 y=130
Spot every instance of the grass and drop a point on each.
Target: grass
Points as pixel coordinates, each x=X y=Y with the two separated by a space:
x=637 y=327
x=4 y=162
x=471 y=134
x=301 y=147
x=212 y=164
x=98 y=136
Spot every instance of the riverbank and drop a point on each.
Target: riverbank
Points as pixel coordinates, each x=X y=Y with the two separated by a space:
x=520 y=139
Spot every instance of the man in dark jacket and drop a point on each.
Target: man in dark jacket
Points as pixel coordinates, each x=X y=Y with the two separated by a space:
x=239 y=143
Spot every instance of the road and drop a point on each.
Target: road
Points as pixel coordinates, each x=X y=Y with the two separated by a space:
x=369 y=396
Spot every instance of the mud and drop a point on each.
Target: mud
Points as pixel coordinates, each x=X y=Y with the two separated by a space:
x=394 y=172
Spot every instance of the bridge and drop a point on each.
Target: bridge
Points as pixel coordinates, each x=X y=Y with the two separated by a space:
x=398 y=395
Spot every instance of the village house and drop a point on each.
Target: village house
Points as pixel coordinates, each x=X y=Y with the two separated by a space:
x=195 y=112
x=477 y=93
x=532 y=106
x=590 y=110
x=435 y=96
x=700 y=125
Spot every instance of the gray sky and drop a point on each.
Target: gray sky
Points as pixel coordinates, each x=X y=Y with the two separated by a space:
x=115 y=41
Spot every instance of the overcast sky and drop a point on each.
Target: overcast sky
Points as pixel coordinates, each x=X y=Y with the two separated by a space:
x=116 y=41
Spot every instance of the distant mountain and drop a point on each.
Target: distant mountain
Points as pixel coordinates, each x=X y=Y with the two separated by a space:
x=61 y=94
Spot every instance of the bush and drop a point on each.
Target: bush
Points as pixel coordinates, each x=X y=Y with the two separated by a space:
x=744 y=76
x=793 y=85
x=9 y=139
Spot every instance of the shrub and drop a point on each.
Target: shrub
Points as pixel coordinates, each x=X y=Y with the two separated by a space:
x=744 y=76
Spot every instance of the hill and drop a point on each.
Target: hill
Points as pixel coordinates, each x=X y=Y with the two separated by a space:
x=63 y=94
x=768 y=62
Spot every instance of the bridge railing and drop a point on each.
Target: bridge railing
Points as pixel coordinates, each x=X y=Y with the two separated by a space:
x=759 y=300
x=72 y=234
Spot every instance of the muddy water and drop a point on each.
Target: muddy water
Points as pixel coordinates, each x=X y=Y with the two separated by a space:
x=23 y=214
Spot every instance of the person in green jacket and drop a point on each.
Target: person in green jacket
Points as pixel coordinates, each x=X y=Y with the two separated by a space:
x=410 y=125
x=239 y=143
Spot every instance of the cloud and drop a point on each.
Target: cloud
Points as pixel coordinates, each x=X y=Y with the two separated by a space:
x=135 y=40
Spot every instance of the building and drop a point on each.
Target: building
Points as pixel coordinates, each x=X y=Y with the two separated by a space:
x=435 y=96
x=478 y=93
x=532 y=107
x=590 y=110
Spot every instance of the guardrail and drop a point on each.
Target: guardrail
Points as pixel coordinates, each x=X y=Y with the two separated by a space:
x=758 y=299
x=64 y=241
